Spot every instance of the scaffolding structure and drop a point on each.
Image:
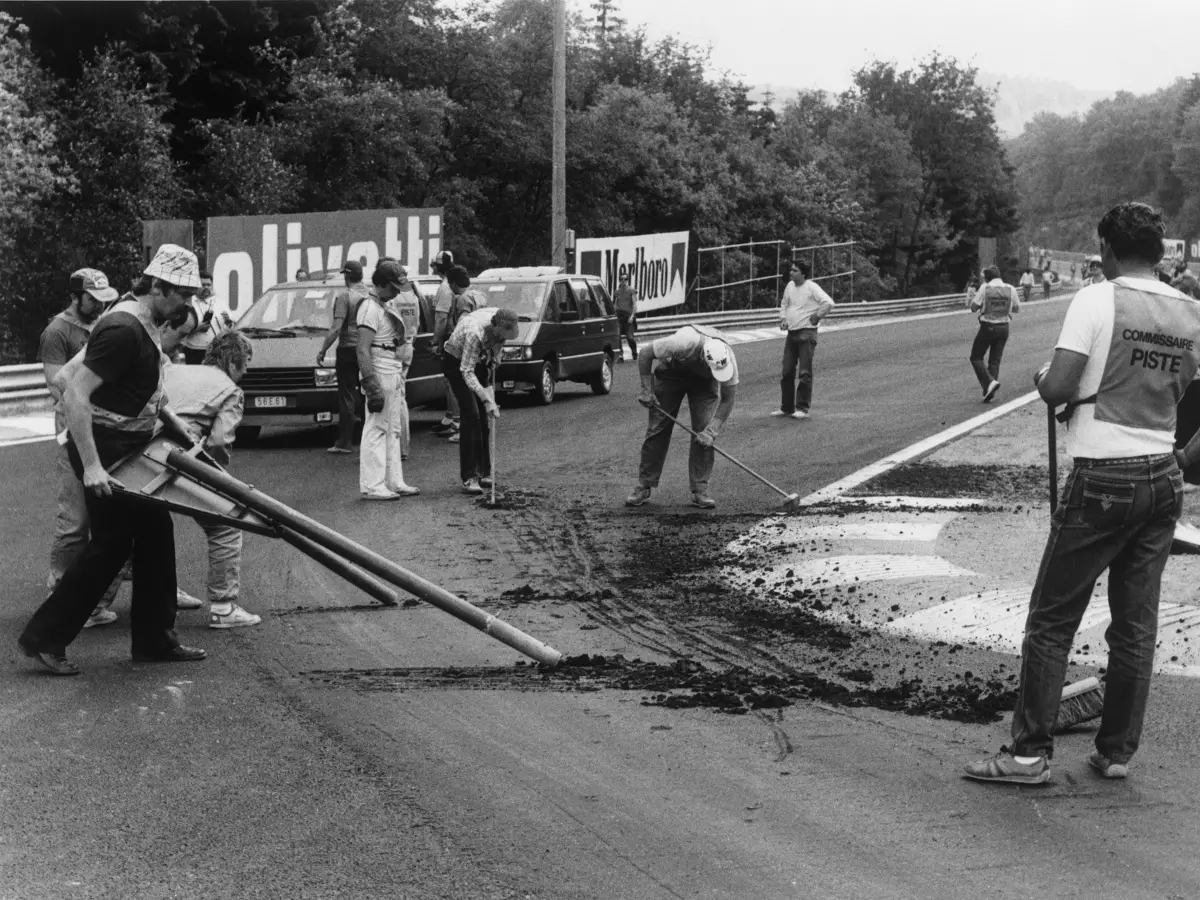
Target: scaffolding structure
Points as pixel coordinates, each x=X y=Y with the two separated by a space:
x=738 y=271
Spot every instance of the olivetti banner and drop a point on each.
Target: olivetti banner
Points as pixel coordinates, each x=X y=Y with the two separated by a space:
x=248 y=254
x=655 y=263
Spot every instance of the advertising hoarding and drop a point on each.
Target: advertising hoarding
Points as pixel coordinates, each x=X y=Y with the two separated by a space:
x=655 y=263
x=248 y=254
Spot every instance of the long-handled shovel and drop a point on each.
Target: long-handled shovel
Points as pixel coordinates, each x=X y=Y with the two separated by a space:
x=791 y=501
x=1052 y=430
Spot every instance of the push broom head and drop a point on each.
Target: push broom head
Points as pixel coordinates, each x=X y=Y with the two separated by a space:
x=1081 y=702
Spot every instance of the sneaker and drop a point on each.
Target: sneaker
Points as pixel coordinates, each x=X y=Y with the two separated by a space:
x=779 y=412
x=407 y=490
x=443 y=428
x=56 y=662
x=454 y=439
x=100 y=616
x=991 y=391
x=380 y=495
x=1106 y=767
x=235 y=618
x=639 y=496
x=472 y=486
x=1003 y=767
x=486 y=481
x=703 y=501
x=184 y=600
x=800 y=414
x=446 y=422
x=336 y=449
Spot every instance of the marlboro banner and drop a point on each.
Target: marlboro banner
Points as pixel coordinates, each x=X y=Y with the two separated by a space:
x=248 y=254
x=656 y=265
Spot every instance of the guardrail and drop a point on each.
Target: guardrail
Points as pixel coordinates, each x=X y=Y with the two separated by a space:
x=23 y=388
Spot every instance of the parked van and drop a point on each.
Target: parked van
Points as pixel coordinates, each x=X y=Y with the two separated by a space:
x=567 y=329
x=287 y=326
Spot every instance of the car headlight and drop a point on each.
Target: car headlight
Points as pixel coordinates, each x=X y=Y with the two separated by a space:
x=325 y=377
x=513 y=353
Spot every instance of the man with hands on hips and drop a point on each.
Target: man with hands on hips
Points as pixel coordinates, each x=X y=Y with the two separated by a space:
x=695 y=362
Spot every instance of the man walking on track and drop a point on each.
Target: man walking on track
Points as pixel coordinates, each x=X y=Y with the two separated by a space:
x=1127 y=350
x=695 y=362
x=996 y=303
x=112 y=403
x=803 y=306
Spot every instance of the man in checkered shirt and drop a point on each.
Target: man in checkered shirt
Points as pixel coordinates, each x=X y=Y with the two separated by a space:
x=469 y=363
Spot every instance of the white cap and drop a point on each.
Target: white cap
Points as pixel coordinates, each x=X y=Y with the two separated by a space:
x=719 y=358
x=176 y=266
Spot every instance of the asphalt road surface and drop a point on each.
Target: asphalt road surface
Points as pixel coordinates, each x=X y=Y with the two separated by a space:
x=343 y=750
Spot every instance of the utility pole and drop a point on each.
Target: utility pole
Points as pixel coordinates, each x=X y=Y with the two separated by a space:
x=558 y=202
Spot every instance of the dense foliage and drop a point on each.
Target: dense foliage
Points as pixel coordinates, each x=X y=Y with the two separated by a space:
x=117 y=112
x=1070 y=169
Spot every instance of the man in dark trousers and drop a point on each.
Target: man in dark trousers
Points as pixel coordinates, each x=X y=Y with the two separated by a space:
x=803 y=305
x=1127 y=350
x=626 y=306
x=345 y=332
x=112 y=404
x=697 y=363
x=996 y=302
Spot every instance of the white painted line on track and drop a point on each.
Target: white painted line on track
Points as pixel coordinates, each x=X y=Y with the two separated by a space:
x=865 y=474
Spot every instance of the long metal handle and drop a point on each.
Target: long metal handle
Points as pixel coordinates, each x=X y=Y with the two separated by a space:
x=1052 y=433
x=745 y=468
x=366 y=559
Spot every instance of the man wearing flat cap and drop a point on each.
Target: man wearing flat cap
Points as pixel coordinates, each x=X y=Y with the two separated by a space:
x=112 y=402
x=345 y=332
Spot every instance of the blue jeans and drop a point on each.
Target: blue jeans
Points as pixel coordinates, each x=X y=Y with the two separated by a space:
x=796 y=383
x=990 y=340
x=703 y=397
x=1117 y=515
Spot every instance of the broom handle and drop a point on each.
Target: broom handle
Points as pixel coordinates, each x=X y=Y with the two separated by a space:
x=745 y=468
x=1052 y=434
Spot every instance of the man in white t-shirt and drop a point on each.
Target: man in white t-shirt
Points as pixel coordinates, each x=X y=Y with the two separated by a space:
x=803 y=306
x=212 y=318
x=1128 y=349
x=695 y=362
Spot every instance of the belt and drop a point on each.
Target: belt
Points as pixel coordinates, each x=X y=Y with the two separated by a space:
x=1124 y=460
x=392 y=346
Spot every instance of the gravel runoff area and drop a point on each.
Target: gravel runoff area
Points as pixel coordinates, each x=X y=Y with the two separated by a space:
x=747 y=614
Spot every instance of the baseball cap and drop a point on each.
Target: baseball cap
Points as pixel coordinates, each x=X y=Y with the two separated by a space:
x=388 y=271
x=352 y=267
x=719 y=358
x=445 y=258
x=94 y=282
x=176 y=266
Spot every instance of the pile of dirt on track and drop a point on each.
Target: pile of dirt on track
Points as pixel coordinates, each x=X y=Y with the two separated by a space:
x=1020 y=484
x=512 y=498
x=655 y=579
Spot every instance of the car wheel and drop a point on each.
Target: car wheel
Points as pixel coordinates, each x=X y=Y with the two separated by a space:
x=247 y=434
x=545 y=390
x=602 y=383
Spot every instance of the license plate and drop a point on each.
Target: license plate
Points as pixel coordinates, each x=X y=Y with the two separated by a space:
x=324 y=417
x=261 y=402
x=508 y=384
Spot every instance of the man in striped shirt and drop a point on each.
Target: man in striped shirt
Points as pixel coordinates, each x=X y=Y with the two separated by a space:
x=469 y=362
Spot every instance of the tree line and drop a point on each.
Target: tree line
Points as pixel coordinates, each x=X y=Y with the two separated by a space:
x=1071 y=169
x=117 y=112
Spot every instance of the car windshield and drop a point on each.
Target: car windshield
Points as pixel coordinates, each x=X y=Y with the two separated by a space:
x=296 y=310
x=523 y=298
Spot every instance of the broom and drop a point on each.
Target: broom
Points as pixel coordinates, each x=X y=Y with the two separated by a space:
x=1081 y=702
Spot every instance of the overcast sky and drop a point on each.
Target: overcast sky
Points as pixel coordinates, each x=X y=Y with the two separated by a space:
x=1134 y=45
